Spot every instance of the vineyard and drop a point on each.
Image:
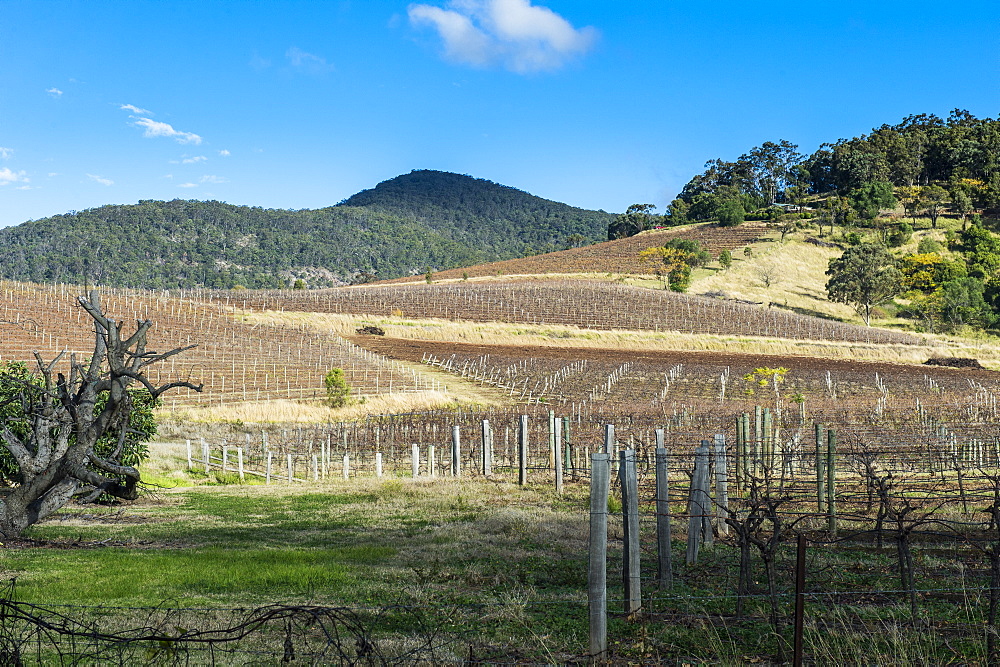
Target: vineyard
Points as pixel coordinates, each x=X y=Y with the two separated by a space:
x=581 y=303
x=895 y=506
x=611 y=257
x=888 y=474
x=236 y=361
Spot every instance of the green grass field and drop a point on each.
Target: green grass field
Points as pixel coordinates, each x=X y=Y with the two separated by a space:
x=493 y=568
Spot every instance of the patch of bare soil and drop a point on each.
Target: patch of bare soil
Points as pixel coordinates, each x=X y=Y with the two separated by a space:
x=414 y=350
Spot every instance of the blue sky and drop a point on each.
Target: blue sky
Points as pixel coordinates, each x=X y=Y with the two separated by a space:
x=595 y=103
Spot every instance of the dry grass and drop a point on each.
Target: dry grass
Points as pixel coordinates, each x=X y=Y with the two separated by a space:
x=286 y=411
x=495 y=333
x=797 y=272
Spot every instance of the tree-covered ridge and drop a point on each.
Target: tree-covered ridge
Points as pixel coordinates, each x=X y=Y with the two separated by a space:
x=960 y=154
x=476 y=210
x=180 y=243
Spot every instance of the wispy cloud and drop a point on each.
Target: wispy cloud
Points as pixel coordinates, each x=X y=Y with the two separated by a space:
x=224 y=153
x=194 y=160
x=307 y=62
x=187 y=185
x=514 y=34
x=7 y=176
x=100 y=179
x=155 y=128
x=5 y=153
x=54 y=92
x=209 y=178
x=135 y=109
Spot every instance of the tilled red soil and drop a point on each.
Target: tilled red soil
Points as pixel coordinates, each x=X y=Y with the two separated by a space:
x=414 y=350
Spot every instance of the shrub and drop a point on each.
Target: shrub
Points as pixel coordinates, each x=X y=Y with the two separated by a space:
x=928 y=245
x=337 y=389
x=725 y=259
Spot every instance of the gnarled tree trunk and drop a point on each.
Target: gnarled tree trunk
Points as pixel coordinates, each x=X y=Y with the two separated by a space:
x=57 y=458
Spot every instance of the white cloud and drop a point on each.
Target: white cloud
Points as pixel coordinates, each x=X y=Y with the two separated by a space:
x=515 y=34
x=54 y=92
x=135 y=109
x=7 y=176
x=188 y=185
x=154 y=128
x=224 y=153
x=194 y=160
x=307 y=62
x=208 y=178
x=100 y=179
x=6 y=152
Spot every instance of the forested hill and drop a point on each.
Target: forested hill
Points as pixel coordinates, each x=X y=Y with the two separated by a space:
x=445 y=201
x=424 y=219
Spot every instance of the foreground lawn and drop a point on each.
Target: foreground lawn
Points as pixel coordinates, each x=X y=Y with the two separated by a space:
x=482 y=568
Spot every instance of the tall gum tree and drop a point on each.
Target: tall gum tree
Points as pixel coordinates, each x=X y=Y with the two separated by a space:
x=864 y=277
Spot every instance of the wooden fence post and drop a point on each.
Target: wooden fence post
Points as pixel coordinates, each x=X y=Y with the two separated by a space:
x=820 y=470
x=721 y=483
x=597 y=568
x=431 y=463
x=190 y=466
x=239 y=463
x=770 y=446
x=630 y=520
x=552 y=439
x=522 y=452
x=205 y=453
x=378 y=464
x=568 y=448
x=707 y=537
x=737 y=467
x=758 y=438
x=800 y=600
x=415 y=459
x=557 y=450
x=831 y=474
x=347 y=466
x=664 y=569
x=698 y=503
x=267 y=473
x=456 y=451
x=487 y=449
x=291 y=468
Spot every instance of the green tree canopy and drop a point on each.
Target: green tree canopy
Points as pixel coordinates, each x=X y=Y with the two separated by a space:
x=125 y=442
x=934 y=197
x=636 y=218
x=870 y=198
x=863 y=277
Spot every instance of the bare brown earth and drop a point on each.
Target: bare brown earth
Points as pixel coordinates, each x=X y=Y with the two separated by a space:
x=629 y=381
x=415 y=350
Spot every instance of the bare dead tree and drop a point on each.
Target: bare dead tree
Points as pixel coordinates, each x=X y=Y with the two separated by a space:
x=62 y=421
